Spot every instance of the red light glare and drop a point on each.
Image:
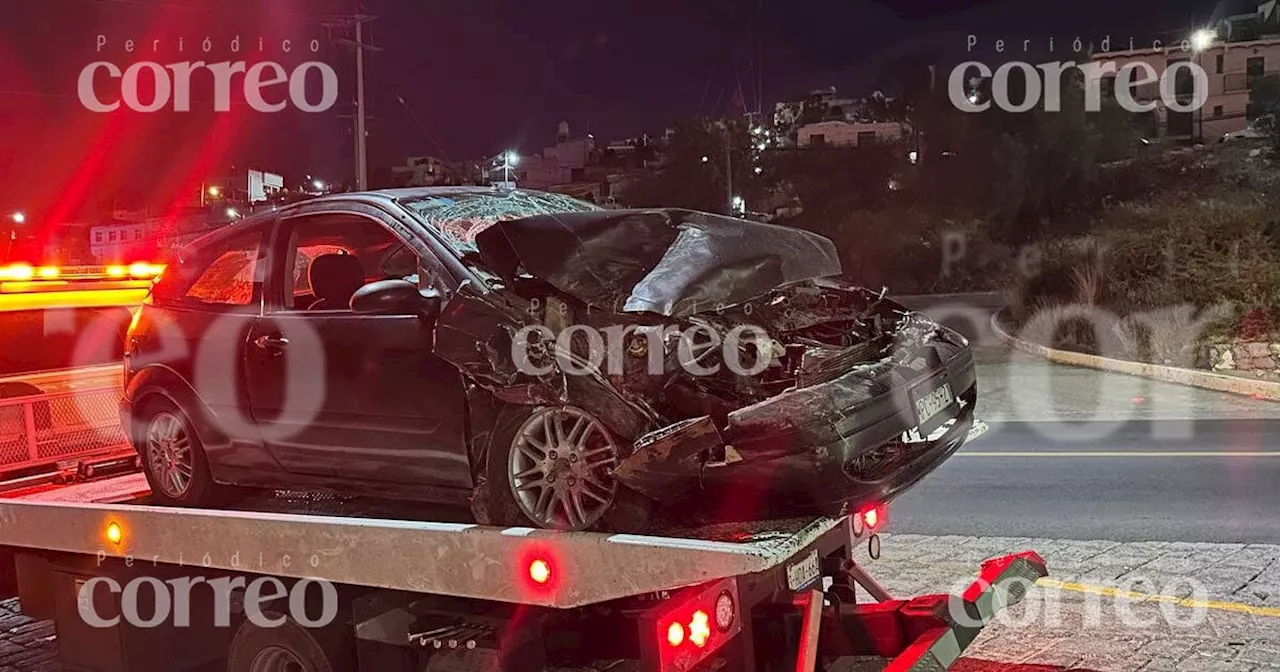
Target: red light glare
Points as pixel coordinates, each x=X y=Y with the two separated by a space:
x=540 y=571
x=675 y=634
x=871 y=517
x=700 y=629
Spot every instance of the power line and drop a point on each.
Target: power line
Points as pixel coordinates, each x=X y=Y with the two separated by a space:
x=413 y=115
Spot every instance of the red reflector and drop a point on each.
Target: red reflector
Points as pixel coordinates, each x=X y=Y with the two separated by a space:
x=540 y=571
x=871 y=517
x=675 y=634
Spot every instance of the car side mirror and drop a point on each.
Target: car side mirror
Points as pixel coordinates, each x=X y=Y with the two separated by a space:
x=396 y=297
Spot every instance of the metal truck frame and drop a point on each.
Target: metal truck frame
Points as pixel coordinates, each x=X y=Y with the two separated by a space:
x=414 y=595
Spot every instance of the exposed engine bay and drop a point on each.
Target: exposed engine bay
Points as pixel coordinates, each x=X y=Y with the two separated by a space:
x=716 y=343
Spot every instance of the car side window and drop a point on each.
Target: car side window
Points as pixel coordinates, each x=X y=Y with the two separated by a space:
x=327 y=257
x=223 y=274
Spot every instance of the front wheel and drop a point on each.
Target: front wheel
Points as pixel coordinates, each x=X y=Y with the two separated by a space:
x=551 y=467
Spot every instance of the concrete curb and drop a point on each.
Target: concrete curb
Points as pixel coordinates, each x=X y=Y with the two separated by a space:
x=1258 y=389
x=991 y=300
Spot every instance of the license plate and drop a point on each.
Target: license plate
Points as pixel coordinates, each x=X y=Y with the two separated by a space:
x=803 y=573
x=931 y=406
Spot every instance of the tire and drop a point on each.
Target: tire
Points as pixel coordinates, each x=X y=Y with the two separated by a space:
x=160 y=417
x=289 y=647
x=501 y=503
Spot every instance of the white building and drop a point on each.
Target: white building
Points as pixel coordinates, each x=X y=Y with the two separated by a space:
x=562 y=163
x=424 y=171
x=117 y=240
x=1232 y=67
x=850 y=134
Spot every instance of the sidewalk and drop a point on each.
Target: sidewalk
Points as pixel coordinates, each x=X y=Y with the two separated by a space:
x=1074 y=620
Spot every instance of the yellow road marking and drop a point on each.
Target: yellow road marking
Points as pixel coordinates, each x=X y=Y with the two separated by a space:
x=1118 y=453
x=1108 y=591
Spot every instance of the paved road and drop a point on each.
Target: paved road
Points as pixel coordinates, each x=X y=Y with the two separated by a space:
x=1080 y=454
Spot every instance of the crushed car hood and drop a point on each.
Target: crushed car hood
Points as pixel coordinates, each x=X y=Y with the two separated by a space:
x=666 y=261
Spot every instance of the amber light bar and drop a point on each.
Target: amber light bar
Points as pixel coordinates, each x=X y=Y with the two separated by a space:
x=140 y=270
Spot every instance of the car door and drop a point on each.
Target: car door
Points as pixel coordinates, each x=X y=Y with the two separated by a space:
x=338 y=394
x=192 y=335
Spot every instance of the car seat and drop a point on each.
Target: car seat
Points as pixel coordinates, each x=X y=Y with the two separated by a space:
x=334 y=280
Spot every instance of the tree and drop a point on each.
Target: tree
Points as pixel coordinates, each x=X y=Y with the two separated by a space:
x=694 y=172
x=1264 y=100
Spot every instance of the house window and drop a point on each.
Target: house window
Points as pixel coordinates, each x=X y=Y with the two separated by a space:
x=97 y=237
x=1109 y=87
x=866 y=137
x=1217 y=110
x=112 y=236
x=818 y=139
x=137 y=234
x=1217 y=67
x=1255 y=66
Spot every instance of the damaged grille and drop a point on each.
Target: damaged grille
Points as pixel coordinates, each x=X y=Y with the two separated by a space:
x=876 y=464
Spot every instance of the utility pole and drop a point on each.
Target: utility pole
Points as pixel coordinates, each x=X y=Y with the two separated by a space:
x=360 y=118
x=362 y=161
x=728 y=168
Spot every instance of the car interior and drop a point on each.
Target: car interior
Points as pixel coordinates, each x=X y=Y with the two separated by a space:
x=333 y=257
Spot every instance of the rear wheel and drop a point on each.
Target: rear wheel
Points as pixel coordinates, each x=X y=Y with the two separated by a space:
x=289 y=647
x=551 y=467
x=173 y=458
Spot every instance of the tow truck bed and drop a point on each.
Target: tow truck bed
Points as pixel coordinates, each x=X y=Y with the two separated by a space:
x=412 y=589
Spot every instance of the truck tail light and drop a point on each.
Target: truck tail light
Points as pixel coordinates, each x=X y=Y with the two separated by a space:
x=692 y=625
x=675 y=634
x=874 y=518
x=540 y=571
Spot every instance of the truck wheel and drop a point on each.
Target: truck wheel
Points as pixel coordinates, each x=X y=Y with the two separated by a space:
x=551 y=467
x=288 y=647
x=173 y=458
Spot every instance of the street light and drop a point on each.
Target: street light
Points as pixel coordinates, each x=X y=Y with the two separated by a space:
x=318 y=185
x=1202 y=39
x=214 y=191
x=18 y=218
x=510 y=159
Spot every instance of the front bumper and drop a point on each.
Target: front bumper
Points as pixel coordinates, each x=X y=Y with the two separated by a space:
x=825 y=447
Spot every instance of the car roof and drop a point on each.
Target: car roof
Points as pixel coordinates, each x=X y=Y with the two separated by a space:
x=379 y=196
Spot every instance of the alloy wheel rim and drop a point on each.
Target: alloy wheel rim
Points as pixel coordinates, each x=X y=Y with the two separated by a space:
x=561 y=468
x=276 y=659
x=169 y=453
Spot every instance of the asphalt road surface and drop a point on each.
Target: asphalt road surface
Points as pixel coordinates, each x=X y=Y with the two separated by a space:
x=1081 y=454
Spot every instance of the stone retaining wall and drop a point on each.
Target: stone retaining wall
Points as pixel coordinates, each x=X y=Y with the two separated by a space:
x=1255 y=356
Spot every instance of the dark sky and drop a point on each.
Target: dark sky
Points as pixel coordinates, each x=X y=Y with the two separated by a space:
x=475 y=76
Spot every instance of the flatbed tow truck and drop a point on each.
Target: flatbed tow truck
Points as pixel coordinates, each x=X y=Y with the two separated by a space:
x=407 y=594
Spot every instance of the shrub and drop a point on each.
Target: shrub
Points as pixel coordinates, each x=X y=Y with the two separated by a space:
x=1197 y=255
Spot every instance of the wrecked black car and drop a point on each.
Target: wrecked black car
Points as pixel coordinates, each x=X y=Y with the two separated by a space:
x=547 y=362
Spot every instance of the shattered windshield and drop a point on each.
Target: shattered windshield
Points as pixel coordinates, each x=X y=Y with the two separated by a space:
x=461 y=216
